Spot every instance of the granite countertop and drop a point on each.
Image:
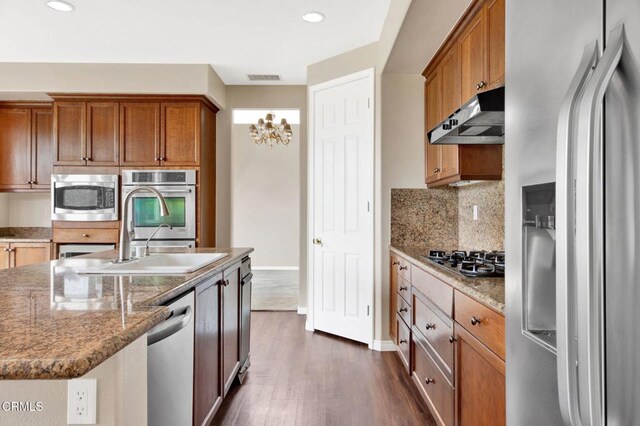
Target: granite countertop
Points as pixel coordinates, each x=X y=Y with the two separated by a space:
x=25 y=235
x=488 y=291
x=57 y=324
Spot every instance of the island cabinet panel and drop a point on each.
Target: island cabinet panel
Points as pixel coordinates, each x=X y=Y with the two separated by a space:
x=480 y=385
x=41 y=148
x=69 y=133
x=393 y=297
x=207 y=395
x=230 y=325
x=15 y=148
x=140 y=134
x=180 y=136
x=102 y=133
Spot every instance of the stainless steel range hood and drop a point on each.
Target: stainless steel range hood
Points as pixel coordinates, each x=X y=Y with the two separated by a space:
x=479 y=121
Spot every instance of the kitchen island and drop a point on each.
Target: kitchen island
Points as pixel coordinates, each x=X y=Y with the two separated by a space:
x=58 y=325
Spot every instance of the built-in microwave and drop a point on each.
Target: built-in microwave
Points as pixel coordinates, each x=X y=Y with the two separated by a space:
x=84 y=197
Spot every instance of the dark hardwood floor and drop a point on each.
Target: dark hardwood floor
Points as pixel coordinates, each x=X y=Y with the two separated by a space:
x=303 y=378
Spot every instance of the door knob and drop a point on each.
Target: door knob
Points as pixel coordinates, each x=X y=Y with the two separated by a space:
x=317 y=241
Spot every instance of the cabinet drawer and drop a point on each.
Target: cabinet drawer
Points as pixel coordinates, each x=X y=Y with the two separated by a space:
x=437 y=291
x=404 y=290
x=482 y=322
x=436 y=329
x=433 y=385
x=403 y=344
x=404 y=310
x=404 y=269
x=85 y=235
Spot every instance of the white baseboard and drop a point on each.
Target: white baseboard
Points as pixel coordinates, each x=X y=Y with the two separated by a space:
x=302 y=310
x=383 y=346
x=275 y=268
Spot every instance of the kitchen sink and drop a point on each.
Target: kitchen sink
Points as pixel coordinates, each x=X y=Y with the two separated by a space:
x=158 y=264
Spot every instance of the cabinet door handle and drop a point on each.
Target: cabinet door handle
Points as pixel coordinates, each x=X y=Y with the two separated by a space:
x=394 y=263
x=225 y=282
x=157 y=158
x=452 y=339
x=404 y=268
x=475 y=320
x=430 y=326
x=402 y=341
x=404 y=310
x=480 y=85
x=430 y=380
x=6 y=249
x=404 y=288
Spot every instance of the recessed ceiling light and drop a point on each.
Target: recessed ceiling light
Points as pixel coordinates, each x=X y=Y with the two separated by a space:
x=313 y=17
x=60 y=5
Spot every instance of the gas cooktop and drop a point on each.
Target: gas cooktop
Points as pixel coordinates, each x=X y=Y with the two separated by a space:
x=476 y=263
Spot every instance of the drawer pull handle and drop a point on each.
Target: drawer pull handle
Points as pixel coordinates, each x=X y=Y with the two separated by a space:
x=404 y=310
x=429 y=380
x=475 y=321
x=85 y=235
x=403 y=341
x=430 y=326
x=452 y=339
x=395 y=263
x=404 y=288
x=404 y=268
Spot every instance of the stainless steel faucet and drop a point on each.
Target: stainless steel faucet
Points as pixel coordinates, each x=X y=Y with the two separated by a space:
x=125 y=238
x=146 y=246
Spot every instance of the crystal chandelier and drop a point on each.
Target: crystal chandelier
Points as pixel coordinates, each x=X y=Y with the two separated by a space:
x=267 y=132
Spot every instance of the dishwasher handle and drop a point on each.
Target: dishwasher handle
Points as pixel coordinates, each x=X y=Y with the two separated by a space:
x=176 y=322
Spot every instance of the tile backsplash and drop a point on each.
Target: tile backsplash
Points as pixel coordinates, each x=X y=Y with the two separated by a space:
x=424 y=218
x=443 y=217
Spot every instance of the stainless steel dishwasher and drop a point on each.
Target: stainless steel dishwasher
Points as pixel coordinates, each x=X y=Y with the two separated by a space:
x=170 y=366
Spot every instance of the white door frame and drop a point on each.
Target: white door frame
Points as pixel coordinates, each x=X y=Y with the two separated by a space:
x=311 y=96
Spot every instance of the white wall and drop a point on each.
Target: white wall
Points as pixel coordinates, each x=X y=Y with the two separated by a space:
x=266 y=198
x=121 y=387
x=32 y=80
x=25 y=209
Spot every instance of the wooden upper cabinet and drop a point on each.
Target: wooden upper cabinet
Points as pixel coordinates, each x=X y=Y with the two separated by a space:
x=480 y=383
x=180 y=135
x=472 y=57
x=450 y=70
x=15 y=148
x=140 y=133
x=41 y=148
x=433 y=116
x=69 y=133
x=495 y=15
x=102 y=133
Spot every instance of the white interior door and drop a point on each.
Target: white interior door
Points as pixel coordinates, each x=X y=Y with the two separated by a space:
x=342 y=207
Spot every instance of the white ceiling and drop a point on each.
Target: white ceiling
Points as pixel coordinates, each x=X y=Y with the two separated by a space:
x=237 y=37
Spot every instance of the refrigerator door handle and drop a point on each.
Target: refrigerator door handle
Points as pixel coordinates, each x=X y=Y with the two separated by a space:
x=565 y=245
x=589 y=236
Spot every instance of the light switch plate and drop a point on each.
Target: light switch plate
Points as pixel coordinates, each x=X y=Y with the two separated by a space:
x=475 y=213
x=81 y=401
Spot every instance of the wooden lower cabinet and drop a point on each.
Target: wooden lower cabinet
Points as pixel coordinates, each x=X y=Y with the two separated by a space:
x=207 y=395
x=230 y=326
x=393 y=296
x=403 y=342
x=15 y=254
x=480 y=384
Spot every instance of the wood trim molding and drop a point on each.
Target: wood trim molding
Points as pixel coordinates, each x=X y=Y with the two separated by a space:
x=132 y=97
x=26 y=104
x=456 y=31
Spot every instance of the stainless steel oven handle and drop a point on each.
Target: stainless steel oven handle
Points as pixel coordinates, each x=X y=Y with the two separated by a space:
x=590 y=236
x=565 y=283
x=164 y=191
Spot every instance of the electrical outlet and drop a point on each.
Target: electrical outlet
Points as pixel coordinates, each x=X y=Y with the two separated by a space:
x=475 y=213
x=81 y=401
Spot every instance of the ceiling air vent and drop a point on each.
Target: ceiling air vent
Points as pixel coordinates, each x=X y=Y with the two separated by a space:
x=263 y=77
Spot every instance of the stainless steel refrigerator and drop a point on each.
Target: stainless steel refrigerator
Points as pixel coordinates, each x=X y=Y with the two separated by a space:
x=572 y=171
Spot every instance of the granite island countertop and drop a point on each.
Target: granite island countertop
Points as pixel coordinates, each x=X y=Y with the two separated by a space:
x=57 y=324
x=488 y=291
